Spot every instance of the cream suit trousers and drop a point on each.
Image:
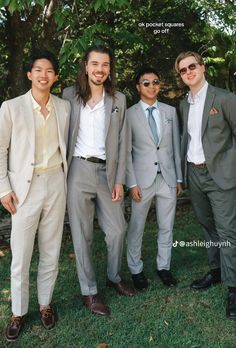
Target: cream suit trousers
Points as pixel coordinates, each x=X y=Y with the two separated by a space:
x=165 y=199
x=43 y=211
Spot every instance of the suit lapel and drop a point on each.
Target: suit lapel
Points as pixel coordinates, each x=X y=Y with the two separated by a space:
x=207 y=107
x=59 y=120
x=108 y=101
x=143 y=120
x=29 y=118
x=162 y=124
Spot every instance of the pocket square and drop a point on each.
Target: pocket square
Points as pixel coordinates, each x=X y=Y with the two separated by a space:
x=213 y=111
x=116 y=109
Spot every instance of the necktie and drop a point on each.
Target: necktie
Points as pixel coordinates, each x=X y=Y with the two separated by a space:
x=152 y=123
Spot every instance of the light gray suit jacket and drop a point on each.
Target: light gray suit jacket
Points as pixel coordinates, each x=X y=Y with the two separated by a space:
x=143 y=153
x=115 y=133
x=218 y=136
x=17 y=142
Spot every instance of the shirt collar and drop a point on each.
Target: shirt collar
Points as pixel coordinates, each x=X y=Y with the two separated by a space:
x=199 y=95
x=145 y=106
x=36 y=106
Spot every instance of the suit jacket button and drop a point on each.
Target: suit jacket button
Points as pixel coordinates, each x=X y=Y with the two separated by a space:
x=158 y=148
x=155 y=163
x=32 y=164
x=28 y=181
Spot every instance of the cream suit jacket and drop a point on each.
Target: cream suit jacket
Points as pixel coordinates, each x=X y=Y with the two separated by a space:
x=17 y=142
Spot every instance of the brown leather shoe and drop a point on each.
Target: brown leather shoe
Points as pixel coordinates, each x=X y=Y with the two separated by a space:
x=95 y=305
x=47 y=317
x=122 y=288
x=14 y=327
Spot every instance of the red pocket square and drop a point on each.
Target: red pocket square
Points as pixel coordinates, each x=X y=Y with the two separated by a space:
x=213 y=111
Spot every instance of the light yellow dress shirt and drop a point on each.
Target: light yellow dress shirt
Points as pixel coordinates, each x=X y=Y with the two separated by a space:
x=47 y=151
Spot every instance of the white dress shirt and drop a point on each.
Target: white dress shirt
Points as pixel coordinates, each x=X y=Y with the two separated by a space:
x=91 y=135
x=195 y=152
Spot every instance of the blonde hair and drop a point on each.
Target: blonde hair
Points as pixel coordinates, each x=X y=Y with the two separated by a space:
x=183 y=55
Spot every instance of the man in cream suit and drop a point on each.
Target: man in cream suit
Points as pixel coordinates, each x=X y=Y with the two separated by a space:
x=153 y=171
x=97 y=160
x=209 y=158
x=33 y=168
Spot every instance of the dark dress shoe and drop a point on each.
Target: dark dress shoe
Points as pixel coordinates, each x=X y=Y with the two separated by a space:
x=95 y=305
x=204 y=283
x=166 y=277
x=122 y=288
x=47 y=317
x=231 y=306
x=14 y=327
x=140 y=281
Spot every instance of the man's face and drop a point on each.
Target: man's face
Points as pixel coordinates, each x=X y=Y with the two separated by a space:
x=192 y=73
x=148 y=88
x=98 y=68
x=42 y=75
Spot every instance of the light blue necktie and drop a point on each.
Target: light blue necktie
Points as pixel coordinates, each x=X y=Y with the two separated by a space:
x=152 y=123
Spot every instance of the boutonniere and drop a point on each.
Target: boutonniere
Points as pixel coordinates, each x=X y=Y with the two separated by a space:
x=213 y=111
x=115 y=109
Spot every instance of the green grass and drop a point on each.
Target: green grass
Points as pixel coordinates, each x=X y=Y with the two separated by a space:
x=159 y=317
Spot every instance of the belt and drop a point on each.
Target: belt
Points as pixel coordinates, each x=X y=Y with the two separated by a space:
x=199 y=165
x=92 y=159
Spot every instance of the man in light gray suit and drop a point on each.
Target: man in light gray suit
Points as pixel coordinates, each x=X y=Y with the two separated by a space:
x=209 y=158
x=153 y=171
x=97 y=153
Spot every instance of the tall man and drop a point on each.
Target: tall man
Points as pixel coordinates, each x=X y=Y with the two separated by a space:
x=209 y=155
x=33 y=136
x=97 y=162
x=153 y=171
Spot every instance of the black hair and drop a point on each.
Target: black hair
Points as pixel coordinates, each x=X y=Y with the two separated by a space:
x=145 y=70
x=43 y=54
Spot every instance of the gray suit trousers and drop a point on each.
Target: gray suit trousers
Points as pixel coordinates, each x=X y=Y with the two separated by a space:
x=216 y=212
x=165 y=199
x=88 y=192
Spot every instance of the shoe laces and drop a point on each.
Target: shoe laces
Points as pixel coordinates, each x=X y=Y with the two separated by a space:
x=15 y=320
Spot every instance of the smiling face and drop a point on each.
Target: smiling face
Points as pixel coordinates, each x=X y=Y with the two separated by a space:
x=97 y=68
x=42 y=75
x=194 y=76
x=149 y=93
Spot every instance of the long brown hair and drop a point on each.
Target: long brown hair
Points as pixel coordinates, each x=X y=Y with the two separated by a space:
x=83 y=90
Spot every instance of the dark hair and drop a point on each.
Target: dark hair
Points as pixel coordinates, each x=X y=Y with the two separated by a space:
x=83 y=89
x=184 y=55
x=43 y=54
x=145 y=70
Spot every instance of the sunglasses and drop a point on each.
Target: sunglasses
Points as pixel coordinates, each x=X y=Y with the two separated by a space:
x=191 y=67
x=146 y=83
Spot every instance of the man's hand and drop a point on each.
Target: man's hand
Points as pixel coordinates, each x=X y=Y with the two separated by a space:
x=9 y=202
x=117 y=193
x=135 y=193
x=179 y=189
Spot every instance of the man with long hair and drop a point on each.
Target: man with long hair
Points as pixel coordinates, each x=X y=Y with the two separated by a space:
x=97 y=153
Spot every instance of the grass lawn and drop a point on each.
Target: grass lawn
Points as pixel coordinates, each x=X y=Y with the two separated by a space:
x=159 y=317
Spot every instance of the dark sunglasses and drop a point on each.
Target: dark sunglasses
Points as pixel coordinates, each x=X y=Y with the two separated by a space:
x=146 y=83
x=191 y=67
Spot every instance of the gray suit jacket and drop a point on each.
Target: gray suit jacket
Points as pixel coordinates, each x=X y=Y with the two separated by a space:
x=143 y=153
x=17 y=142
x=115 y=133
x=218 y=136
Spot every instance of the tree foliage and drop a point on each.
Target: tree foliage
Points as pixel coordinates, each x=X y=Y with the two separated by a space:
x=140 y=32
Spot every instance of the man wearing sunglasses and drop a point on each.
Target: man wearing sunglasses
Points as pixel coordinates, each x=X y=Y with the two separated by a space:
x=209 y=157
x=153 y=171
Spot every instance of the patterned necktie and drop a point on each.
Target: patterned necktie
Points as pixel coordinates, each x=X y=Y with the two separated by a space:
x=152 y=124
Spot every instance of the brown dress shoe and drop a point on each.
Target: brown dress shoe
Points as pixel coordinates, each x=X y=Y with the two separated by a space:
x=122 y=288
x=14 y=327
x=95 y=305
x=47 y=317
